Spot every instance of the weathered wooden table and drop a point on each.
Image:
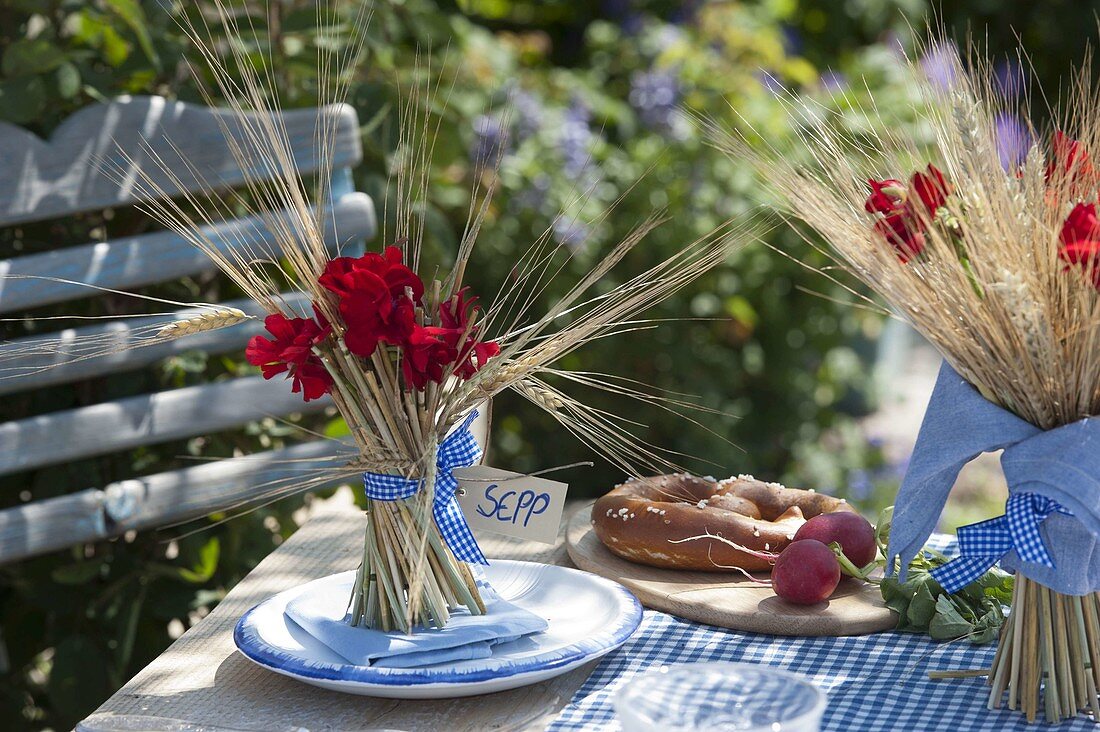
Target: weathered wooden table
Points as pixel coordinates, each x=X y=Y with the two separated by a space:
x=202 y=683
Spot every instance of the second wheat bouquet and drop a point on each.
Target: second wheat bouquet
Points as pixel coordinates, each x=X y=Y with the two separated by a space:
x=995 y=259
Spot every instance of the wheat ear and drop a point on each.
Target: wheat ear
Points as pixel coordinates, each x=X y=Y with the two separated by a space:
x=541 y=396
x=214 y=319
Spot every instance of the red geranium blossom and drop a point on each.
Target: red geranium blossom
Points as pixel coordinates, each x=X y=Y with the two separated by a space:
x=1080 y=240
x=428 y=354
x=454 y=316
x=377 y=298
x=291 y=351
x=907 y=211
x=930 y=188
x=904 y=232
x=1069 y=156
x=312 y=379
x=339 y=274
x=887 y=196
x=477 y=356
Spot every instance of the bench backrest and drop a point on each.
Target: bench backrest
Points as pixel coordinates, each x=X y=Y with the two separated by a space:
x=75 y=171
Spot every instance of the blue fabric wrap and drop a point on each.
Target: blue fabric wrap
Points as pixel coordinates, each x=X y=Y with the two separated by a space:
x=458 y=450
x=1054 y=492
x=321 y=611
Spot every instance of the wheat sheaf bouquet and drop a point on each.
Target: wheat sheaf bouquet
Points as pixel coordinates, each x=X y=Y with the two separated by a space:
x=997 y=263
x=406 y=352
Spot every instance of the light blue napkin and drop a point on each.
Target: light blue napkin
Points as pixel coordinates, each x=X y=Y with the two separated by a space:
x=1062 y=464
x=321 y=607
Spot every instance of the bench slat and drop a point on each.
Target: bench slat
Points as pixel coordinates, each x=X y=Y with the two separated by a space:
x=96 y=159
x=41 y=369
x=144 y=420
x=154 y=500
x=76 y=169
x=131 y=262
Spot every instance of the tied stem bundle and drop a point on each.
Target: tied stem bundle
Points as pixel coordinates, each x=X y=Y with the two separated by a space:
x=995 y=260
x=1050 y=641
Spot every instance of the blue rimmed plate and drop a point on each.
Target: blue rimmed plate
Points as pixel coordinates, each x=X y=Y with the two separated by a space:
x=588 y=616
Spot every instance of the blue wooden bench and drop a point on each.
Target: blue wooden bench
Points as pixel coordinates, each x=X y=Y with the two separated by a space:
x=71 y=173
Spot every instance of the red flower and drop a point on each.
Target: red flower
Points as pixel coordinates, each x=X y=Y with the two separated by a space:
x=1080 y=240
x=291 y=351
x=903 y=232
x=887 y=196
x=371 y=314
x=930 y=187
x=433 y=353
x=907 y=212
x=339 y=275
x=377 y=298
x=312 y=379
x=1068 y=156
x=477 y=357
x=428 y=352
x=454 y=316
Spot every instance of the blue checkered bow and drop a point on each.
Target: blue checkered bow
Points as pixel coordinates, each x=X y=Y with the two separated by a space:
x=458 y=450
x=982 y=544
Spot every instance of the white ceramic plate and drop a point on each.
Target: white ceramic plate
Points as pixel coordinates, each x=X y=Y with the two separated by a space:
x=588 y=616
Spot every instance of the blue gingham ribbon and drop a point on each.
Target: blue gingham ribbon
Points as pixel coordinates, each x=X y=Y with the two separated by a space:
x=982 y=544
x=1061 y=465
x=458 y=450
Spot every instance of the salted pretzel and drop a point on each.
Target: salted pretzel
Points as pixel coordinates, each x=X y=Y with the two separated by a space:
x=646 y=520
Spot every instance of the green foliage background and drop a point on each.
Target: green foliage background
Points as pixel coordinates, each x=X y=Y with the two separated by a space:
x=579 y=97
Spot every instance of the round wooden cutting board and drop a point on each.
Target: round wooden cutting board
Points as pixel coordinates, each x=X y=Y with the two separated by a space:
x=729 y=600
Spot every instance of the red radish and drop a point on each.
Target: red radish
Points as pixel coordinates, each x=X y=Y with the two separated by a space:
x=806 y=572
x=854 y=533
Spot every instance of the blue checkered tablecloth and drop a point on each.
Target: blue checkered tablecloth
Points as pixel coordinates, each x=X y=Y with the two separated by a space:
x=874 y=682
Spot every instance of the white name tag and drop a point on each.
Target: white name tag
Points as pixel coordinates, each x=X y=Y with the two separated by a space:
x=510 y=503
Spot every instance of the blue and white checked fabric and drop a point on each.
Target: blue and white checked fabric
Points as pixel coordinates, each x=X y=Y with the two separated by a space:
x=874 y=683
x=458 y=450
x=982 y=544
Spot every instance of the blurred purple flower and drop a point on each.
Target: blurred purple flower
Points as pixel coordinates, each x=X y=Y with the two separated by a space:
x=792 y=40
x=575 y=143
x=667 y=37
x=625 y=14
x=1013 y=139
x=894 y=44
x=940 y=65
x=769 y=81
x=529 y=113
x=490 y=141
x=685 y=12
x=860 y=486
x=1009 y=79
x=655 y=96
x=533 y=196
x=570 y=232
x=832 y=81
